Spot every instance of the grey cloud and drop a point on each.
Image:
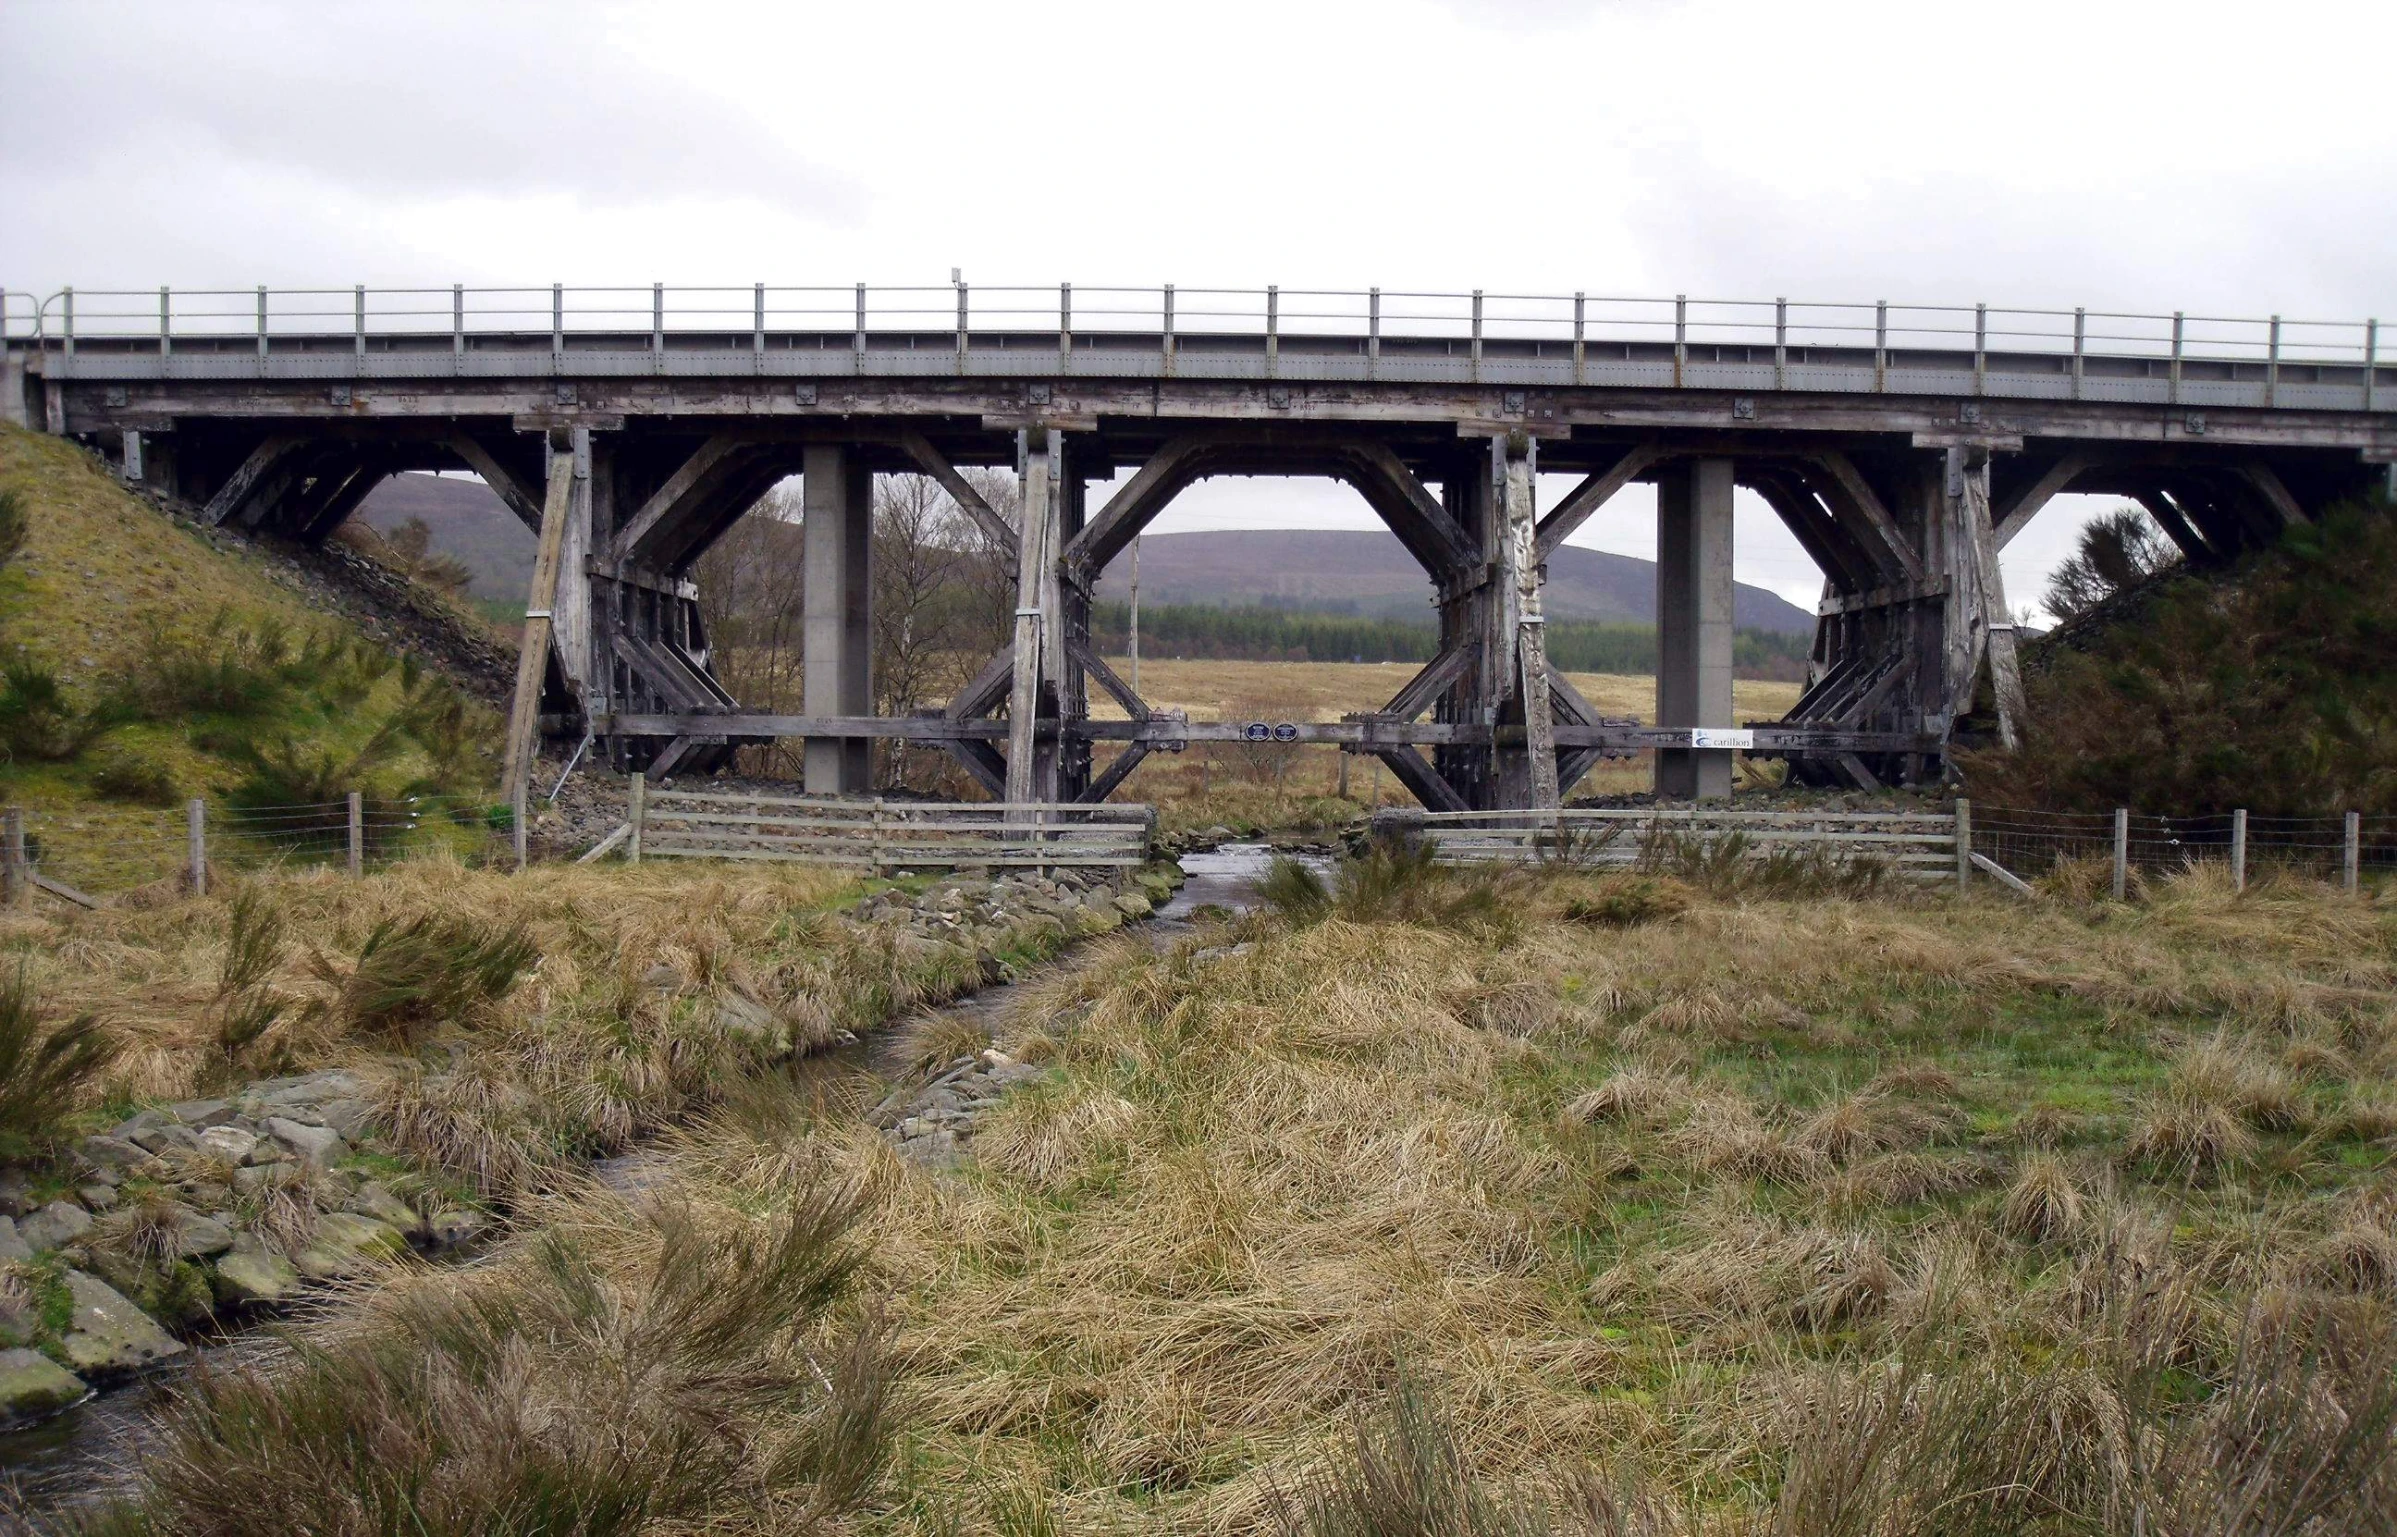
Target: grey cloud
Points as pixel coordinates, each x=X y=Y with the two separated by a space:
x=434 y=101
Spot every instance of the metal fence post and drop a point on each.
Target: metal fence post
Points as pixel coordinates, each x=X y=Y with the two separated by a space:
x=1964 y=842
x=16 y=884
x=2351 y=857
x=2122 y=852
x=2238 y=851
x=197 y=832
x=635 y=811
x=357 y=834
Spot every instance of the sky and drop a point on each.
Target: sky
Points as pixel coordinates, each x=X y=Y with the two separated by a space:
x=2235 y=160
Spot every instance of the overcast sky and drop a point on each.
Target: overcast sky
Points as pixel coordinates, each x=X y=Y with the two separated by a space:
x=2232 y=159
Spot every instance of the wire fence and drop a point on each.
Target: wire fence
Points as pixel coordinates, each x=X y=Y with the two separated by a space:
x=2032 y=843
x=95 y=854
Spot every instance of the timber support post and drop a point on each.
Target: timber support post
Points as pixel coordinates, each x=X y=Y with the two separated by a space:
x=16 y=873
x=532 y=661
x=1031 y=763
x=195 y=832
x=1526 y=647
x=1694 y=594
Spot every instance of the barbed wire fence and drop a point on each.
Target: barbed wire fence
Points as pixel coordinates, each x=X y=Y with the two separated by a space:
x=87 y=857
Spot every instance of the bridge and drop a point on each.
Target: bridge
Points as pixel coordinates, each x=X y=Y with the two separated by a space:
x=631 y=427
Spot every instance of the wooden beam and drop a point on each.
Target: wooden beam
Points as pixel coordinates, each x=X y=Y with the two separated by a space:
x=1585 y=499
x=2176 y=526
x=521 y=498
x=532 y=662
x=704 y=461
x=961 y=491
x=986 y=689
x=1443 y=548
x=270 y=452
x=2018 y=511
x=1117 y=689
x=1436 y=677
x=1116 y=772
x=1856 y=494
x=981 y=760
x=1521 y=514
x=2275 y=494
x=1423 y=781
x=1129 y=510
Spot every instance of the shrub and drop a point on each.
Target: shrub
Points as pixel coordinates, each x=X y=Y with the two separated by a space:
x=653 y=1370
x=128 y=774
x=36 y=721
x=43 y=1070
x=1626 y=901
x=14 y=525
x=246 y=1008
x=429 y=970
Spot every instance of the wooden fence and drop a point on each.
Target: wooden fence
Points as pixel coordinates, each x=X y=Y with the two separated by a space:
x=882 y=835
x=1919 y=845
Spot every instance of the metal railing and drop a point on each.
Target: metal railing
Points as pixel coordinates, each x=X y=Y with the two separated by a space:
x=1087 y=329
x=884 y=835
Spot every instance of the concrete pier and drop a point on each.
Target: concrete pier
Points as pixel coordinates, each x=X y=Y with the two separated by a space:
x=1693 y=622
x=836 y=615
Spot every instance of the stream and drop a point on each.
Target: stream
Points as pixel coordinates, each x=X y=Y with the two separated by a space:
x=93 y=1451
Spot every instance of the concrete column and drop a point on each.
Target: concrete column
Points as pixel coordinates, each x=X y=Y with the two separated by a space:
x=836 y=543
x=1693 y=622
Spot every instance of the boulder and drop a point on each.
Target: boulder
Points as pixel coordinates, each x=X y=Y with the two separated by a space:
x=110 y=1153
x=232 y=1142
x=346 y=1243
x=374 y=1200
x=317 y=1146
x=97 y=1197
x=173 y=1137
x=16 y=1193
x=455 y=1226
x=1133 y=905
x=107 y=1334
x=197 y=1236
x=131 y=1128
x=264 y=1151
x=60 y=1222
x=201 y=1114
x=346 y=1116
x=32 y=1386
x=257 y=1276
x=13 y=1249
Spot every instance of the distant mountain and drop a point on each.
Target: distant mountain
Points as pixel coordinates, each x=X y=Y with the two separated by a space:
x=1364 y=571
x=1319 y=570
x=469 y=523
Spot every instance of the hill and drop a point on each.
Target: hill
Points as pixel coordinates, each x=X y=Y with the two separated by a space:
x=145 y=660
x=1368 y=572
x=1359 y=572
x=468 y=524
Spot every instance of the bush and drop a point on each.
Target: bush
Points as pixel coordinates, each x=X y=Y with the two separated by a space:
x=43 y=1071
x=645 y=1372
x=128 y=774
x=1626 y=901
x=431 y=969
x=14 y=525
x=36 y=722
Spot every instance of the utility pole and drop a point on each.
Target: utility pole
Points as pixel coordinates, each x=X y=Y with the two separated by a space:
x=1135 y=613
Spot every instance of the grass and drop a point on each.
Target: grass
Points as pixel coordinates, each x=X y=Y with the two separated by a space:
x=45 y=1068
x=1757 y=1215
x=147 y=663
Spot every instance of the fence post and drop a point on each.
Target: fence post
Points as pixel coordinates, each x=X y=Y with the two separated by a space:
x=516 y=823
x=635 y=810
x=2238 y=851
x=2122 y=851
x=874 y=858
x=15 y=879
x=2351 y=857
x=357 y=835
x=1964 y=843
x=198 y=832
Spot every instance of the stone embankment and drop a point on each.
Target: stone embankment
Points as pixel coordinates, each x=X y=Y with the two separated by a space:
x=215 y=1208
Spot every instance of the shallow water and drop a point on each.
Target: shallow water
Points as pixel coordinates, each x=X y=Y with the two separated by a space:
x=94 y=1450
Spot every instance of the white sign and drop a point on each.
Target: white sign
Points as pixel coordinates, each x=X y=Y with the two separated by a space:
x=1722 y=736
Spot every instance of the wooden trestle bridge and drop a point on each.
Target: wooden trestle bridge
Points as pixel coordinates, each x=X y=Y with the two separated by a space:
x=1903 y=447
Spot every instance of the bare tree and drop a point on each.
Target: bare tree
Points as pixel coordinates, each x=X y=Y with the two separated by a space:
x=749 y=598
